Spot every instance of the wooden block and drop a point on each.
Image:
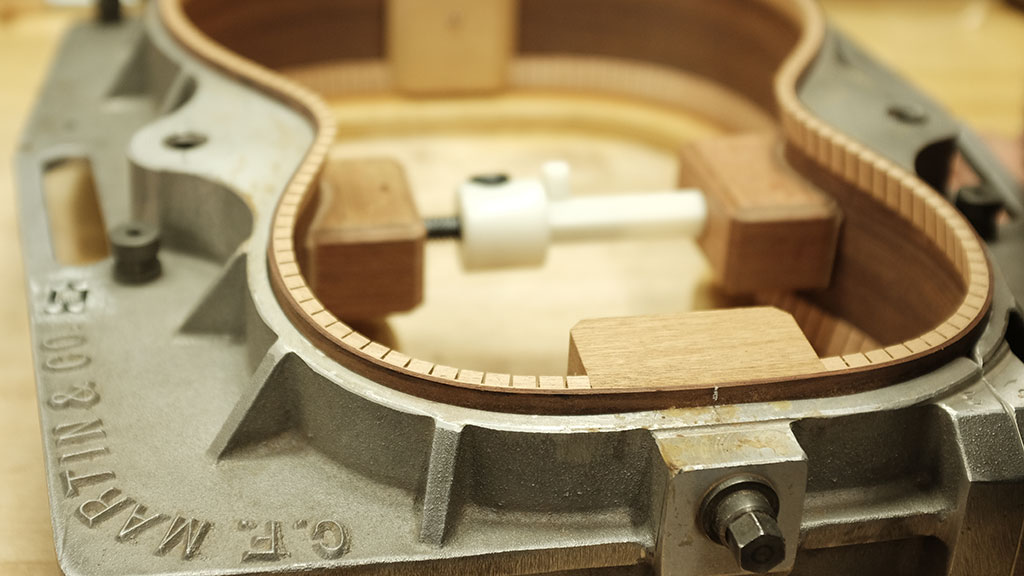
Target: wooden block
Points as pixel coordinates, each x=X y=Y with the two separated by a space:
x=767 y=229
x=697 y=349
x=365 y=243
x=450 y=46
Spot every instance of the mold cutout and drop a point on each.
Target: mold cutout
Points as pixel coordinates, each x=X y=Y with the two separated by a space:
x=78 y=234
x=151 y=79
x=934 y=162
x=1015 y=333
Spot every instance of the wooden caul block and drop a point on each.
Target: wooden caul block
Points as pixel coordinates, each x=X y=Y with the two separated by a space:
x=694 y=350
x=364 y=245
x=450 y=46
x=767 y=229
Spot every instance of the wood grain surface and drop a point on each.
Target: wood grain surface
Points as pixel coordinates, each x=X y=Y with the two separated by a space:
x=969 y=54
x=767 y=230
x=710 y=347
x=364 y=247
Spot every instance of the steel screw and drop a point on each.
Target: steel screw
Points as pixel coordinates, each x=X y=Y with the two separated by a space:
x=741 y=513
x=135 y=246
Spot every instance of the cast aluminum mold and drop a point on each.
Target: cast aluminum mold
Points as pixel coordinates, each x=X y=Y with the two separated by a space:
x=190 y=429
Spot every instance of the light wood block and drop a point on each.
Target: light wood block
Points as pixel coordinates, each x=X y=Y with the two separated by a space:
x=365 y=244
x=450 y=46
x=767 y=229
x=697 y=349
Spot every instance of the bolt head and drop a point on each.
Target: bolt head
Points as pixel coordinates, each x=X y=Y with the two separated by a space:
x=135 y=247
x=756 y=541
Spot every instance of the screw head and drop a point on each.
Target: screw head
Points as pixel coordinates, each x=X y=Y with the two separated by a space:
x=756 y=542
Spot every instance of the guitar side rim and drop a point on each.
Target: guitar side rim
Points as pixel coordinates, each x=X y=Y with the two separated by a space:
x=825 y=152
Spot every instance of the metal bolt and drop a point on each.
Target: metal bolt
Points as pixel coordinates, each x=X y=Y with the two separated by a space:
x=741 y=513
x=135 y=246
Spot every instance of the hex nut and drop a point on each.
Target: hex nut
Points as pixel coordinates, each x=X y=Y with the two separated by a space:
x=741 y=513
x=756 y=541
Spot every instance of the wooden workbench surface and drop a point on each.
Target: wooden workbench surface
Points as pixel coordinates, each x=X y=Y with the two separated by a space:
x=969 y=54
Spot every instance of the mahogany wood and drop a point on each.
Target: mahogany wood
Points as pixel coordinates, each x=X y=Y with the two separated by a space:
x=703 y=349
x=364 y=247
x=767 y=229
